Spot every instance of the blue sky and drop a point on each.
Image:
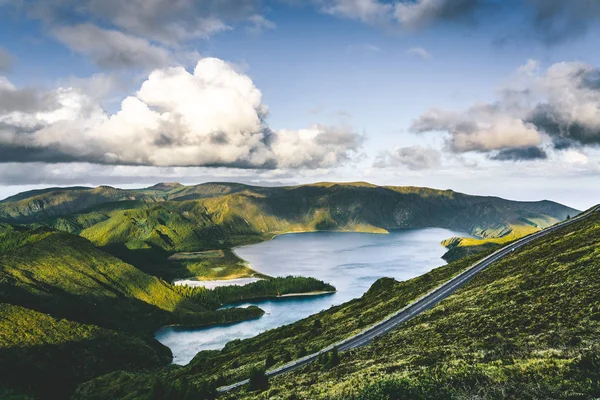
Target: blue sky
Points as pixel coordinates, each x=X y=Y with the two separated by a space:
x=480 y=96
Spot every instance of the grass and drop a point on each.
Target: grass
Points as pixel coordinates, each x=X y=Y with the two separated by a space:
x=459 y=247
x=225 y=265
x=527 y=327
x=39 y=351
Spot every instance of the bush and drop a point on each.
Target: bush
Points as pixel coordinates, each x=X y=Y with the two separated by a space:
x=258 y=380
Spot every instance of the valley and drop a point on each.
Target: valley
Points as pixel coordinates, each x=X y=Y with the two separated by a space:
x=104 y=260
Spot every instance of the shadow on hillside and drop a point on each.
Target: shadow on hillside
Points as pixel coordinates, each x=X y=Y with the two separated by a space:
x=53 y=371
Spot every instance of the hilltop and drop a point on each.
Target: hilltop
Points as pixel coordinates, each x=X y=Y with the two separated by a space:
x=145 y=226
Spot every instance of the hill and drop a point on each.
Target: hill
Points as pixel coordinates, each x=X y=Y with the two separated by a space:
x=71 y=312
x=145 y=226
x=526 y=327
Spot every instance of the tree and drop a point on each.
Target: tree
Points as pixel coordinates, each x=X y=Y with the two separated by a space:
x=259 y=381
x=333 y=358
x=270 y=361
x=317 y=325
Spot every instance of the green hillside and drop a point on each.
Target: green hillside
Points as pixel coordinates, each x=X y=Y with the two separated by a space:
x=47 y=357
x=527 y=327
x=146 y=226
x=71 y=312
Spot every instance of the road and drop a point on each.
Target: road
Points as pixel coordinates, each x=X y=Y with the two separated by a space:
x=418 y=306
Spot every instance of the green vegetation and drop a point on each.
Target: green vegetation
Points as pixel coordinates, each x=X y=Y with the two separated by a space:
x=461 y=247
x=146 y=227
x=71 y=312
x=279 y=346
x=222 y=264
x=99 y=296
x=267 y=288
x=258 y=380
x=527 y=327
x=47 y=357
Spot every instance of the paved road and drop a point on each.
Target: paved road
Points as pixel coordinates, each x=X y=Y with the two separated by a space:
x=418 y=306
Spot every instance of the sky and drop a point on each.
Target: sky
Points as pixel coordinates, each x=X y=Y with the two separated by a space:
x=485 y=97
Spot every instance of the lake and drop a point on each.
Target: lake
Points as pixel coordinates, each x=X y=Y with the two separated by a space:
x=349 y=261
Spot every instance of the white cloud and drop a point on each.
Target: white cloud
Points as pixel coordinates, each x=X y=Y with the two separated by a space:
x=319 y=145
x=575 y=157
x=560 y=104
x=373 y=12
x=480 y=128
x=211 y=117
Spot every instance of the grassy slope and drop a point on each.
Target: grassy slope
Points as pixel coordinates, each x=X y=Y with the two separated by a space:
x=238 y=210
x=48 y=356
x=71 y=312
x=220 y=216
x=235 y=361
x=525 y=328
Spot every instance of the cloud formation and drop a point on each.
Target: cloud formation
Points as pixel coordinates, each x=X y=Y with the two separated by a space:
x=560 y=105
x=211 y=117
x=422 y=13
x=110 y=48
x=165 y=21
x=413 y=157
x=520 y=154
x=551 y=21
x=25 y=100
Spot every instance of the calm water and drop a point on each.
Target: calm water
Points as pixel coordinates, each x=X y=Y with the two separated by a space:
x=349 y=261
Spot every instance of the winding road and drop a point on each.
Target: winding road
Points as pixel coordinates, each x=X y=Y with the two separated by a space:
x=418 y=306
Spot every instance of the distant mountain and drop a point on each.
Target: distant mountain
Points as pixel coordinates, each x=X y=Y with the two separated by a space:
x=172 y=217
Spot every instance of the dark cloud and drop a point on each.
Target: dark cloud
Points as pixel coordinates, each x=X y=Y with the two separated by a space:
x=422 y=13
x=550 y=21
x=165 y=21
x=18 y=154
x=555 y=21
x=563 y=130
x=520 y=154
